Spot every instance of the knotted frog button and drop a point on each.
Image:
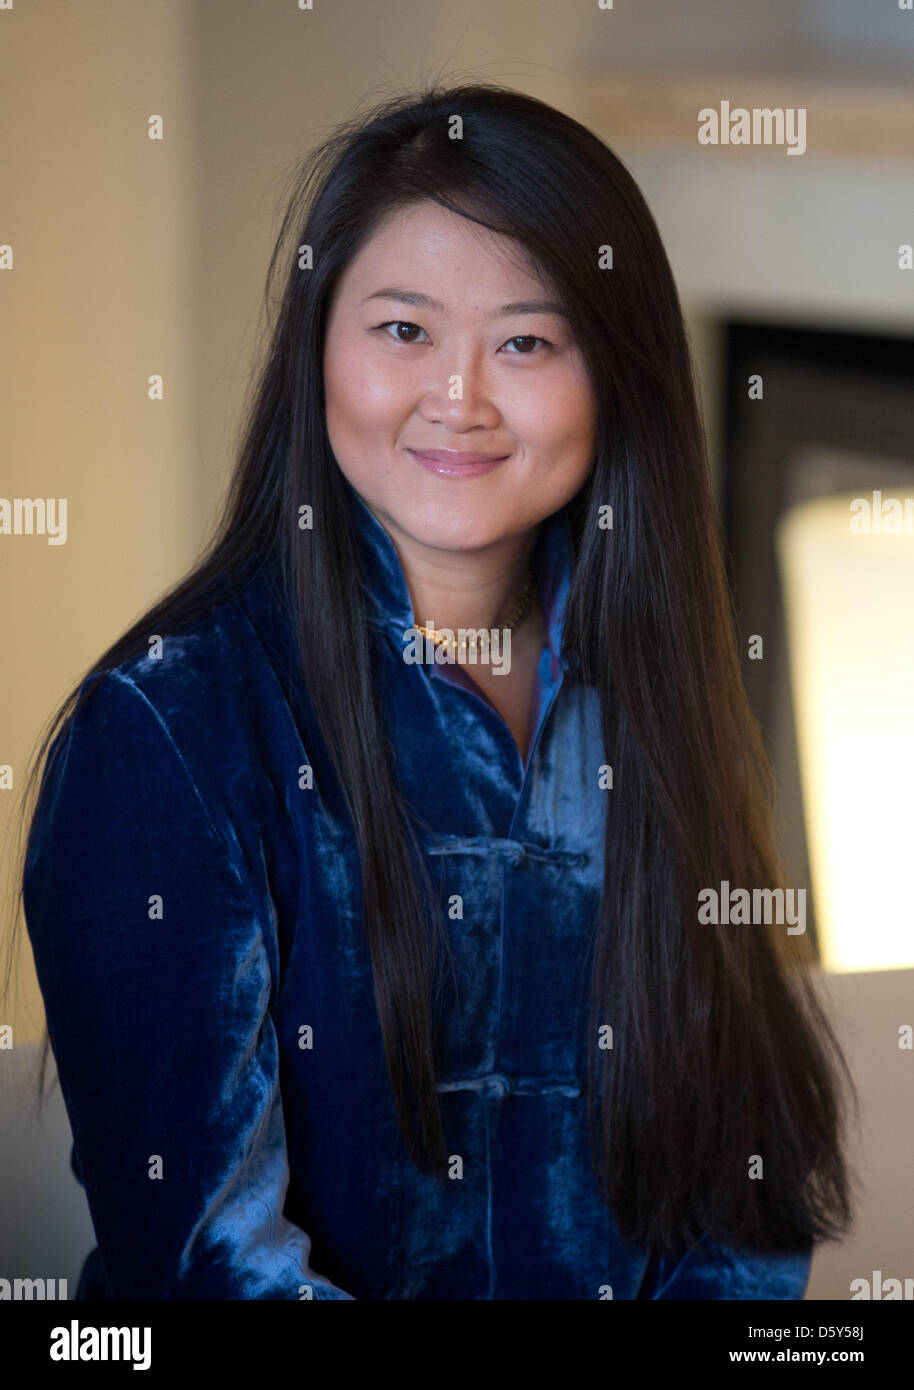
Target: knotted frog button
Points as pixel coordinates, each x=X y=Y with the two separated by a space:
x=497 y=1086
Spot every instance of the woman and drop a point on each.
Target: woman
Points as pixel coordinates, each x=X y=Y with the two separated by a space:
x=363 y=881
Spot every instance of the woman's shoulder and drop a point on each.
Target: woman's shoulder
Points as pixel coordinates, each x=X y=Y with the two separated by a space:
x=198 y=677
x=159 y=793
x=201 y=701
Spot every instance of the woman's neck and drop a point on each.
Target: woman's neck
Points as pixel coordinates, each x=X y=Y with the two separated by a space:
x=465 y=588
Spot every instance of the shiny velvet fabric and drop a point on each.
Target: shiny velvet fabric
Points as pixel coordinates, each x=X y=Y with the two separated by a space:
x=194 y=910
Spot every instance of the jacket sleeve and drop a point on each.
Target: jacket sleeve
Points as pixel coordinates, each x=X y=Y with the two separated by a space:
x=715 y=1271
x=152 y=961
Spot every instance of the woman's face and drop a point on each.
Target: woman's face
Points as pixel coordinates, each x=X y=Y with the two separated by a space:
x=435 y=342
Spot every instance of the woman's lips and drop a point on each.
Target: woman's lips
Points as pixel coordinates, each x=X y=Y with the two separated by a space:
x=449 y=464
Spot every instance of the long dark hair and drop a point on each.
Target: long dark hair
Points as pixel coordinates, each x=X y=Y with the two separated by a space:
x=721 y=1047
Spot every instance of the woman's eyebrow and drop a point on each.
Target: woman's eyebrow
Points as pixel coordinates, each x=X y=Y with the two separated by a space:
x=425 y=301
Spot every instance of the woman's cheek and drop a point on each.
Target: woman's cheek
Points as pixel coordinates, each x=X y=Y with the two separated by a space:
x=379 y=390
x=544 y=415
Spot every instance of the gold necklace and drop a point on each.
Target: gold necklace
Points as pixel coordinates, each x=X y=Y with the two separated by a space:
x=514 y=618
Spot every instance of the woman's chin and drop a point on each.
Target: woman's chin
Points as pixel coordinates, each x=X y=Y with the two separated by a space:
x=456 y=532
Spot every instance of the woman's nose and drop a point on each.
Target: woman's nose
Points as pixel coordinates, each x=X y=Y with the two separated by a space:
x=462 y=398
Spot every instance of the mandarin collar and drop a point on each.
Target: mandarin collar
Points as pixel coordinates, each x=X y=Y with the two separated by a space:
x=387 y=592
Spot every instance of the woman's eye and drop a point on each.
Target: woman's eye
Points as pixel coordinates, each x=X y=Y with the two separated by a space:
x=527 y=342
x=397 y=324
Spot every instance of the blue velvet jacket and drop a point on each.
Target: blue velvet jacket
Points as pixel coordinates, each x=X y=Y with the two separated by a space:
x=193 y=911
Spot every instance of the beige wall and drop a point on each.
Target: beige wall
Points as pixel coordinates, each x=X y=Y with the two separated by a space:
x=102 y=224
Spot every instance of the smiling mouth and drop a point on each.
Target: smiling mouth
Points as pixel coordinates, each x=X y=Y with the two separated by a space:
x=450 y=463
